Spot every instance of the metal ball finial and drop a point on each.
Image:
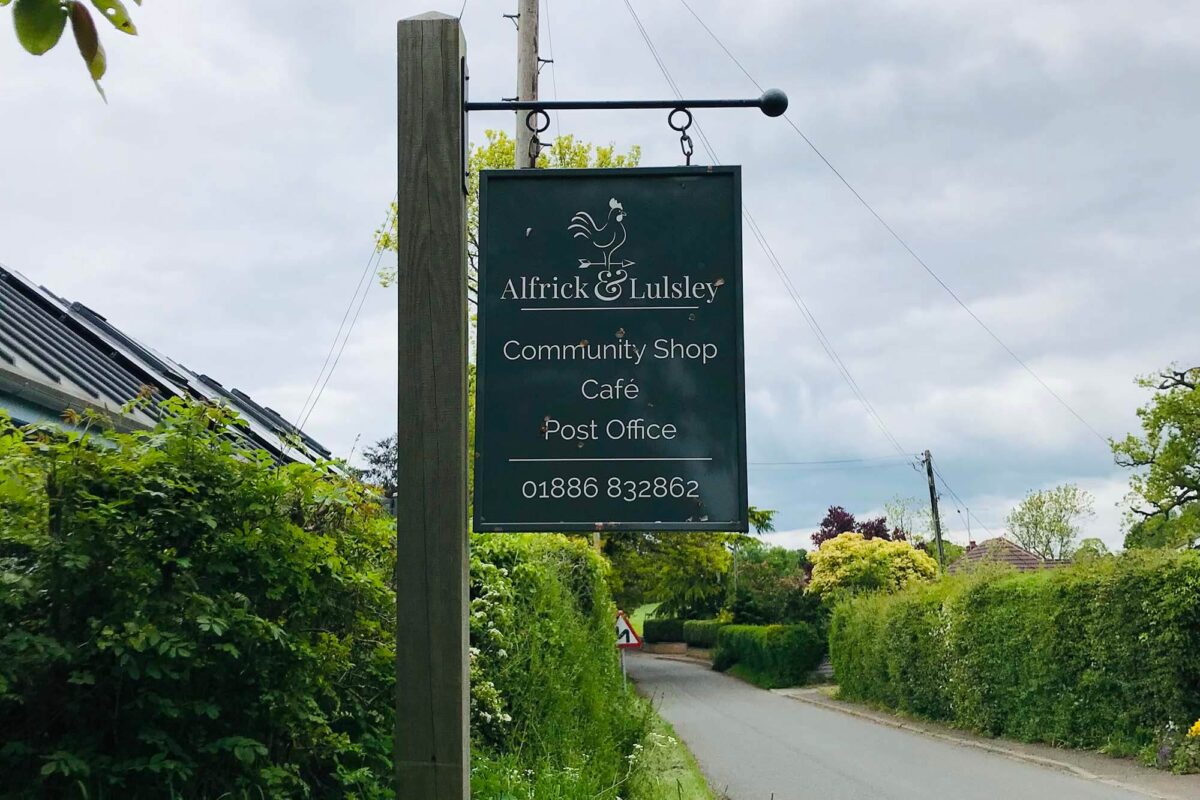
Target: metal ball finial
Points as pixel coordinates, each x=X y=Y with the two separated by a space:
x=773 y=102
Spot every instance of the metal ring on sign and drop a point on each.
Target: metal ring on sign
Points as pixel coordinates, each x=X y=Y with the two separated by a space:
x=537 y=128
x=684 y=126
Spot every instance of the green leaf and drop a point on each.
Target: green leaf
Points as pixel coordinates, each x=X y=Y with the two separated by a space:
x=88 y=40
x=39 y=24
x=114 y=11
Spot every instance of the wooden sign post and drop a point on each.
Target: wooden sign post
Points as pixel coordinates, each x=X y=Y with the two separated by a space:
x=432 y=705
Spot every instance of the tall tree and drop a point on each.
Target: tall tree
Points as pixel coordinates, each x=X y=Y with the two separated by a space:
x=1165 y=487
x=1047 y=521
x=381 y=459
x=500 y=153
x=838 y=521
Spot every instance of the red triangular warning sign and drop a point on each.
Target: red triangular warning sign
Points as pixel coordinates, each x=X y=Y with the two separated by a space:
x=626 y=635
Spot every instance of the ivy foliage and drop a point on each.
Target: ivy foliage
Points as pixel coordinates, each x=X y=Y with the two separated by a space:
x=182 y=617
x=1102 y=654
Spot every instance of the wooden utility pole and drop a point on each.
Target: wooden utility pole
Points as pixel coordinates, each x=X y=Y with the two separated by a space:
x=527 y=73
x=933 y=505
x=432 y=706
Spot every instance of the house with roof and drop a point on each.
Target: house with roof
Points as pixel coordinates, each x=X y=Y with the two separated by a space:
x=1001 y=551
x=57 y=355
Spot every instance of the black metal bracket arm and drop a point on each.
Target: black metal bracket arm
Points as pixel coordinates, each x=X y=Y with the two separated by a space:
x=773 y=103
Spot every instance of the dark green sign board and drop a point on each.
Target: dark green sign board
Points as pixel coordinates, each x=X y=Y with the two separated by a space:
x=611 y=386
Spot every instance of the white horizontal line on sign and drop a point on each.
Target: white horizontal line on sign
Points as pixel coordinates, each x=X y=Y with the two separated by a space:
x=609 y=459
x=611 y=308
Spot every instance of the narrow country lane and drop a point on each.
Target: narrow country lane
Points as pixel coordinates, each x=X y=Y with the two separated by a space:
x=755 y=745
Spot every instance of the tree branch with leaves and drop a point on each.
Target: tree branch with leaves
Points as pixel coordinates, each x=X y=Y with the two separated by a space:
x=39 y=25
x=1164 y=497
x=566 y=152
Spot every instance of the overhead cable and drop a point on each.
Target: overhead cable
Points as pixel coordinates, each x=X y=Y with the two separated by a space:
x=899 y=239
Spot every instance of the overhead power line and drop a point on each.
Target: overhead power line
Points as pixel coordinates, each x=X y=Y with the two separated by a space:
x=553 y=71
x=959 y=502
x=793 y=293
x=826 y=461
x=827 y=467
x=773 y=259
x=359 y=296
x=899 y=239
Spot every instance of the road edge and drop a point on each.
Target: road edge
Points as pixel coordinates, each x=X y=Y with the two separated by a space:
x=814 y=697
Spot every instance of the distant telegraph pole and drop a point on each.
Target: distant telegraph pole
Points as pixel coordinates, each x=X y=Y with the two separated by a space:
x=527 y=74
x=432 y=706
x=933 y=505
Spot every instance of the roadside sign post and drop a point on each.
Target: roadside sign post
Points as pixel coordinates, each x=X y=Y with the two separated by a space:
x=642 y=427
x=627 y=637
x=610 y=379
x=432 y=707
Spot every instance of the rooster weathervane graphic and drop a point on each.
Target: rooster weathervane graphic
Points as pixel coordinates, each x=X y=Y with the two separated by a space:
x=607 y=238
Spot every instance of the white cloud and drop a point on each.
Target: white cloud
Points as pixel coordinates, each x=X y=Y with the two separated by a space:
x=1036 y=155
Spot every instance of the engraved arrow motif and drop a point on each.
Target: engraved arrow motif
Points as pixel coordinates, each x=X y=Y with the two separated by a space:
x=584 y=264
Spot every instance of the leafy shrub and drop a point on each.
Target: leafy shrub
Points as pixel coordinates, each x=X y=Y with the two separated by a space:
x=179 y=616
x=662 y=630
x=542 y=636
x=851 y=564
x=770 y=655
x=1101 y=654
x=770 y=588
x=702 y=632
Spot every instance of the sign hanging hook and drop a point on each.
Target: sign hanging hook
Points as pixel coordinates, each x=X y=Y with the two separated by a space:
x=685 y=141
x=535 y=144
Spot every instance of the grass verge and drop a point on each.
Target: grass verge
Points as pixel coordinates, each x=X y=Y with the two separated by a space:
x=668 y=770
x=637 y=617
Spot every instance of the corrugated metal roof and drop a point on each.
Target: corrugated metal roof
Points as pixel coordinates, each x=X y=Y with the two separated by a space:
x=63 y=355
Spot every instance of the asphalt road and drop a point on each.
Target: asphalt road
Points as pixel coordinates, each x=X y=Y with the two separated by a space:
x=755 y=745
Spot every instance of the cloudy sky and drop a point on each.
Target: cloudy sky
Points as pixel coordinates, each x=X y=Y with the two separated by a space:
x=1039 y=156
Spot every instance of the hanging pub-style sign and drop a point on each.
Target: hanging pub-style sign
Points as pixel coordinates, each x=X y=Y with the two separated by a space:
x=610 y=386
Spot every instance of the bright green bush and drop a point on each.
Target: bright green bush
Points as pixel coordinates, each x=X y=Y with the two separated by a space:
x=770 y=655
x=1102 y=654
x=702 y=632
x=662 y=630
x=180 y=617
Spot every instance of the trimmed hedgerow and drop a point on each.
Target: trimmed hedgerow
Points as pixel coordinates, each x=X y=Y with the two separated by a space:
x=1103 y=654
x=662 y=630
x=769 y=655
x=702 y=632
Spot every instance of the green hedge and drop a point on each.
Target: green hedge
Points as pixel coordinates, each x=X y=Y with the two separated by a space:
x=662 y=630
x=181 y=617
x=549 y=716
x=702 y=632
x=770 y=655
x=1101 y=654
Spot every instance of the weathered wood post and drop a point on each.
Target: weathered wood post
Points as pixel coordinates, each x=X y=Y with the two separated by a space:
x=432 y=739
